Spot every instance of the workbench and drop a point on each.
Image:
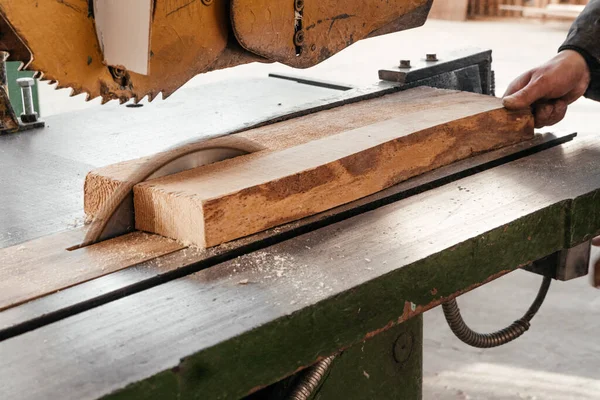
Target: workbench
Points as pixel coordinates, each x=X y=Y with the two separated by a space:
x=228 y=321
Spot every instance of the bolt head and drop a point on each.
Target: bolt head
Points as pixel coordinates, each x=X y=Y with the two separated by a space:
x=404 y=63
x=403 y=347
x=299 y=38
x=26 y=82
x=29 y=118
x=431 y=57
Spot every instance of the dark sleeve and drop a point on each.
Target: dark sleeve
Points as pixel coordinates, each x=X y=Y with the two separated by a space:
x=584 y=37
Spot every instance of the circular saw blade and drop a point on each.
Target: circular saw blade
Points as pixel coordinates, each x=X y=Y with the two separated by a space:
x=116 y=217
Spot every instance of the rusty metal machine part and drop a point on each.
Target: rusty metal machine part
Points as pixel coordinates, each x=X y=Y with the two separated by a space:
x=9 y=40
x=58 y=39
x=303 y=33
x=62 y=39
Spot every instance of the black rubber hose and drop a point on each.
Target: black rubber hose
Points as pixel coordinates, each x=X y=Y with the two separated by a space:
x=498 y=338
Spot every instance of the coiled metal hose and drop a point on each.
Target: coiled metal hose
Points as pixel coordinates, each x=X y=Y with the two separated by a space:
x=498 y=338
x=315 y=374
x=311 y=380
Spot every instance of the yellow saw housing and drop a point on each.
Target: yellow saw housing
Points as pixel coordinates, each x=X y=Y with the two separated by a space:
x=58 y=39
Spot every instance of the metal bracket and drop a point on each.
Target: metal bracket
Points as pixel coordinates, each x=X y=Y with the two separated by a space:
x=564 y=265
x=9 y=123
x=468 y=70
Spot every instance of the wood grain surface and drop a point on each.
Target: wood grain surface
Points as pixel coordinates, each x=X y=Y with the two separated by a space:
x=101 y=183
x=44 y=265
x=217 y=203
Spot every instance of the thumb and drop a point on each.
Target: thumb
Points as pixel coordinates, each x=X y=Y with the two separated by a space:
x=525 y=97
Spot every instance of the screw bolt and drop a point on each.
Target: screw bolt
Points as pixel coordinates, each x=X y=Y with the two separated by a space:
x=29 y=115
x=404 y=63
x=431 y=57
x=403 y=347
x=299 y=38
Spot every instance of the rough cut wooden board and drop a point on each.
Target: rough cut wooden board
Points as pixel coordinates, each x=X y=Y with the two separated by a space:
x=326 y=164
x=43 y=266
x=102 y=182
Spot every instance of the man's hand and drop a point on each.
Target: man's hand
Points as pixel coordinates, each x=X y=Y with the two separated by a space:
x=550 y=88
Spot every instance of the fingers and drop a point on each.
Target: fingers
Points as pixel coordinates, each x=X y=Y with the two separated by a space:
x=530 y=90
x=550 y=112
x=574 y=94
x=534 y=90
x=519 y=83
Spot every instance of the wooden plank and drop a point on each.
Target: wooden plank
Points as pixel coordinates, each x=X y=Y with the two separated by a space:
x=101 y=183
x=217 y=203
x=43 y=266
x=451 y=10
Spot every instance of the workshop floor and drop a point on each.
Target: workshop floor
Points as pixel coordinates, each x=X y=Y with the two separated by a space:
x=559 y=357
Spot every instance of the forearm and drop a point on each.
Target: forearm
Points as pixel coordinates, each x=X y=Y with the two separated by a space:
x=584 y=37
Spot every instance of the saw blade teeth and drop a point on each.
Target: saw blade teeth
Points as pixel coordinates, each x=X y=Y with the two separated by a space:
x=166 y=95
x=90 y=97
x=139 y=99
x=23 y=65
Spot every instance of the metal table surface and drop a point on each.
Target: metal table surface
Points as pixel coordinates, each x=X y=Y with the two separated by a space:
x=221 y=332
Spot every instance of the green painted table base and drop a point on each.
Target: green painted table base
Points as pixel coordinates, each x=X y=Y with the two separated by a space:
x=386 y=366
